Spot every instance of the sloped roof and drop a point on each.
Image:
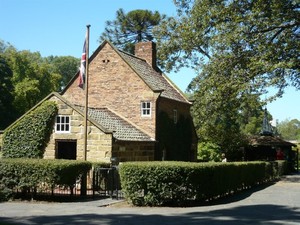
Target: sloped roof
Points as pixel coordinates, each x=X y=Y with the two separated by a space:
x=157 y=81
x=122 y=130
x=268 y=140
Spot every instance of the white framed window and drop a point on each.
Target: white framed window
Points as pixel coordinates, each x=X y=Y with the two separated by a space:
x=146 y=109
x=175 y=116
x=62 y=124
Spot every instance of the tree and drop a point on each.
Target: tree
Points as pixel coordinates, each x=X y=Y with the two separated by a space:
x=289 y=129
x=66 y=66
x=130 y=28
x=239 y=49
x=6 y=96
x=208 y=151
x=260 y=37
x=32 y=79
x=27 y=77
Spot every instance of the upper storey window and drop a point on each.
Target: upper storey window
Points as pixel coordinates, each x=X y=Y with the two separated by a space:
x=62 y=124
x=146 y=109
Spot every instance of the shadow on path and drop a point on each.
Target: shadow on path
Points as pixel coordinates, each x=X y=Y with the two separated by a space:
x=254 y=214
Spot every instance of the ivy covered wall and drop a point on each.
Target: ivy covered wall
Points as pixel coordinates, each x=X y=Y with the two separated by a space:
x=28 y=137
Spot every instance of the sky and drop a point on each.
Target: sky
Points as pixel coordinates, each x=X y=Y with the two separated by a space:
x=58 y=27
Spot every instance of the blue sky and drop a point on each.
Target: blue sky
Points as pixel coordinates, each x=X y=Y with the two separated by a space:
x=57 y=27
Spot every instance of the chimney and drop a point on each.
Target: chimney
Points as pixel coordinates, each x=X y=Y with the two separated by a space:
x=147 y=51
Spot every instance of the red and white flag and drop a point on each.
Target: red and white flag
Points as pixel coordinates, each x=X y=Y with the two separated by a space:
x=82 y=73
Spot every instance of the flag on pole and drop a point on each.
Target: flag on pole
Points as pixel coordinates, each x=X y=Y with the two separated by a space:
x=82 y=66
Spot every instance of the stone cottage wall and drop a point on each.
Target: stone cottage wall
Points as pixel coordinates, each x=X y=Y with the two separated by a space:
x=99 y=144
x=133 y=151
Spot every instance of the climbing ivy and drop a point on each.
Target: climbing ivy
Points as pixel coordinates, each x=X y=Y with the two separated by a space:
x=28 y=137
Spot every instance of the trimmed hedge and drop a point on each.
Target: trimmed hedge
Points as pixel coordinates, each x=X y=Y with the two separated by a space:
x=177 y=183
x=29 y=136
x=33 y=174
x=101 y=165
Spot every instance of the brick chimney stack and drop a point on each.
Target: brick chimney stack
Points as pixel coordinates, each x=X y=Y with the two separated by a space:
x=147 y=51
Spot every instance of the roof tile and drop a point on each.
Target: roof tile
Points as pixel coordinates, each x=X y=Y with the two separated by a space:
x=122 y=130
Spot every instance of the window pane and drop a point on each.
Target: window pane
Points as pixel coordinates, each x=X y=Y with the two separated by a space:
x=62 y=124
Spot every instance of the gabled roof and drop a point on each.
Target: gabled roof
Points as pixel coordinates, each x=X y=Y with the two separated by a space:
x=122 y=130
x=155 y=80
x=65 y=101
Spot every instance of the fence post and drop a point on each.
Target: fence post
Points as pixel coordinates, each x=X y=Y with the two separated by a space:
x=83 y=188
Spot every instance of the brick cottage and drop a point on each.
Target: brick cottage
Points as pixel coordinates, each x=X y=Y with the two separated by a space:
x=135 y=113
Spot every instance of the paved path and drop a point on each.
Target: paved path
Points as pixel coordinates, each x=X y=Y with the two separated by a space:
x=274 y=204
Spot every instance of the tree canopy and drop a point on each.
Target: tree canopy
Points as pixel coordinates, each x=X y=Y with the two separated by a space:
x=27 y=77
x=260 y=39
x=239 y=49
x=66 y=66
x=132 y=27
x=289 y=129
x=6 y=93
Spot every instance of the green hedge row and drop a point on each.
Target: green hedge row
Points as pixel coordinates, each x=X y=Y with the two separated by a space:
x=177 y=183
x=33 y=174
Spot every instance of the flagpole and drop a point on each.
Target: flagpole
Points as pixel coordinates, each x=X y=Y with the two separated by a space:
x=86 y=93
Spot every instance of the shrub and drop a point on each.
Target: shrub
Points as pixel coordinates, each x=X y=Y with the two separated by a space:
x=177 y=183
x=208 y=151
x=32 y=174
x=28 y=137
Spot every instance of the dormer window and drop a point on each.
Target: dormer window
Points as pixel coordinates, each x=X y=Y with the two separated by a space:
x=146 y=109
x=62 y=124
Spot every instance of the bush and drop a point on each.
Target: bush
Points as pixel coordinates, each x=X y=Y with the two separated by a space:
x=29 y=175
x=177 y=183
x=209 y=152
x=28 y=137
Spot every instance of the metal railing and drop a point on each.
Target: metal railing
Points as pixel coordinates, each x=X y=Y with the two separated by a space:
x=106 y=182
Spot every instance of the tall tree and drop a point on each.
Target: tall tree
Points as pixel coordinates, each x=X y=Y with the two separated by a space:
x=262 y=37
x=239 y=49
x=289 y=129
x=32 y=78
x=27 y=77
x=6 y=94
x=66 y=66
x=130 y=28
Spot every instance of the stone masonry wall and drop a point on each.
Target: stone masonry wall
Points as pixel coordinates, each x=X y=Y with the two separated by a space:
x=99 y=144
x=134 y=151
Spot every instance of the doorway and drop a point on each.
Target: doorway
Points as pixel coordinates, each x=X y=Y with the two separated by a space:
x=65 y=149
